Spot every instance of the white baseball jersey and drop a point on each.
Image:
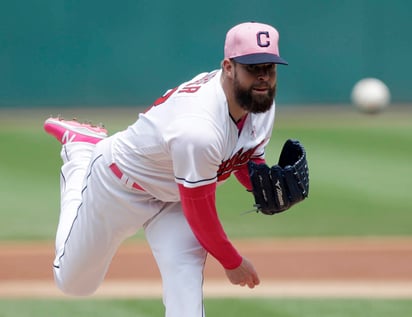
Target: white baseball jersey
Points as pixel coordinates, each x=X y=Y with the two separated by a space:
x=188 y=137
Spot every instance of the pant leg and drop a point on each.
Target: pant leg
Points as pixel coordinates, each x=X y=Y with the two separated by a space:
x=76 y=159
x=181 y=260
x=97 y=213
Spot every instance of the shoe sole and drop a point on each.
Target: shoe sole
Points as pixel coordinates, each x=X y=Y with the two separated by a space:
x=79 y=129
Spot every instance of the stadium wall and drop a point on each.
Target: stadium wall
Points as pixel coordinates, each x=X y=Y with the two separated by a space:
x=128 y=52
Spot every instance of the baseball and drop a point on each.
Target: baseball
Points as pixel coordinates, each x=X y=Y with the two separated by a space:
x=370 y=95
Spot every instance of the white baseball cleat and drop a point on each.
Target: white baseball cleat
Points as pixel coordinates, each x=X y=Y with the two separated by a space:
x=72 y=131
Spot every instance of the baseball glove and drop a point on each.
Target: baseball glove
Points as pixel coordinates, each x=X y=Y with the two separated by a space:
x=279 y=187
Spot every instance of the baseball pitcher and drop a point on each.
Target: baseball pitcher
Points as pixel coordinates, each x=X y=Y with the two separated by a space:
x=160 y=175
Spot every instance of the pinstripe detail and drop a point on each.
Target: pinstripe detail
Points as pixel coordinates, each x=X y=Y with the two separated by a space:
x=75 y=218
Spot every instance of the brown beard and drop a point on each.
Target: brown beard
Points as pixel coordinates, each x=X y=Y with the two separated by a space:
x=250 y=102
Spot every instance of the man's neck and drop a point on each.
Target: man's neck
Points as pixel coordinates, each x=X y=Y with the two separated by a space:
x=235 y=110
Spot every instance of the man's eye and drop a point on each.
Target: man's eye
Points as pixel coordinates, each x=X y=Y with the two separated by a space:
x=271 y=67
x=255 y=69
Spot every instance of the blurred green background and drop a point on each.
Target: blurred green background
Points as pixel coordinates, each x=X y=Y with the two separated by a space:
x=359 y=171
x=230 y=307
x=105 y=53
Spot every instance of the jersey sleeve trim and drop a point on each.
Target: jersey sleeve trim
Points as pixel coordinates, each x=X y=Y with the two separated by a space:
x=181 y=180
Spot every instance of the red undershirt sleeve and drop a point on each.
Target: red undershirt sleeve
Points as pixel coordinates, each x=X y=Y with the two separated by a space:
x=199 y=207
x=242 y=174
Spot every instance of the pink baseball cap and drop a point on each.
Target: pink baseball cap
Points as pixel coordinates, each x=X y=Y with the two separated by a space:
x=253 y=43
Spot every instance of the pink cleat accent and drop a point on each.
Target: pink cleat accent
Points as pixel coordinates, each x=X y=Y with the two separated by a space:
x=72 y=131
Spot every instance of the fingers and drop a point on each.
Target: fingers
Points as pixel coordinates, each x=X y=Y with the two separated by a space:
x=246 y=281
x=251 y=281
x=249 y=284
x=256 y=281
x=244 y=275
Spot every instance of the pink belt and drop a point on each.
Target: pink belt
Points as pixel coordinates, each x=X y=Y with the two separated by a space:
x=118 y=173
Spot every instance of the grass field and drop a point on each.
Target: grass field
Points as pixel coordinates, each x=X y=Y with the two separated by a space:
x=230 y=307
x=360 y=168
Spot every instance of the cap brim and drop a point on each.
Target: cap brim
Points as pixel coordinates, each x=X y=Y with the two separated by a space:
x=260 y=58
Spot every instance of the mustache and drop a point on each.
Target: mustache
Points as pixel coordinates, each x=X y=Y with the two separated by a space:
x=261 y=86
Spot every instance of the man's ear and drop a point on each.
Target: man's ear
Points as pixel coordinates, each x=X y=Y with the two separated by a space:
x=228 y=68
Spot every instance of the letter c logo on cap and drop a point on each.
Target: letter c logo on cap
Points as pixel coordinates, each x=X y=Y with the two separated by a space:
x=263 y=39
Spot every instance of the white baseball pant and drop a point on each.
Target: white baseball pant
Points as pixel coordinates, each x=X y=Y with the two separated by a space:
x=98 y=212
